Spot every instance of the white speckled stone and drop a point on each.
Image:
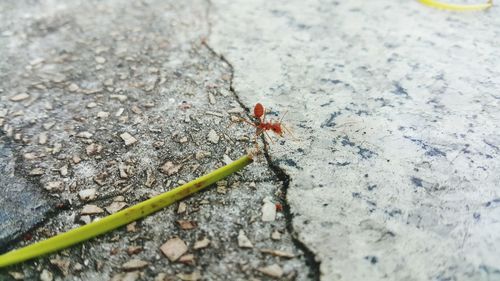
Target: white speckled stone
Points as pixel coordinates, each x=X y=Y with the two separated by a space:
x=395 y=173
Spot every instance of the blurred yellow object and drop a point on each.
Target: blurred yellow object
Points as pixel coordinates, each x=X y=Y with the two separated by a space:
x=457 y=7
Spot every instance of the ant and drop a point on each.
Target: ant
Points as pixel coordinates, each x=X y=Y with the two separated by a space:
x=262 y=126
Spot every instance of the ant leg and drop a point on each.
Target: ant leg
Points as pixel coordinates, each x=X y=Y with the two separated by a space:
x=240 y=119
x=289 y=132
x=256 y=144
x=284 y=114
x=269 y=137
x=257 y=134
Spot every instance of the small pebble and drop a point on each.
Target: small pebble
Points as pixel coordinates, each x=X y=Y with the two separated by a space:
x=100 y=60
x=174 y=248
x=78 y=267
x=186 y=224
x=30 y=156
x=213 y=137
x=46 y=275
x=19 y=97
x=73 y=87
x=87 y=194
x=170 y=168
x=56 y=148
x=120 y=98
x=102 y=114
x=54 y=186
x=85 y=135
x=48 y=125
x=58 y=77
x=202 y=154
x=128 y=139
x=278 y=253
x=93 y=149
x=268 y=210
x=187 y=259
x=194 y=276
x=91 y=105
x=63 y=265
x=131 y=227
x=37 y=61
x=63 y=170
x=134 y=250
x=37 y=172
x=135 y=264
x=182 y=208
x=91 y=210
x=150 y=178
x=129 y=276
x=227 y=159
x=211 y=98
x=243 y=241
x=76 y=159
x=42 y=138
x=85 y=219
x=115 y=207
x=276 y=235
x=135 y=109
x=108 y=82
x=123 y=169
x=16 y=275
x=200 y=244
x=273 y=270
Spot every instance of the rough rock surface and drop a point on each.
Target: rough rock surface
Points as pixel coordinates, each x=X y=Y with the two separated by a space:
x=94 y=71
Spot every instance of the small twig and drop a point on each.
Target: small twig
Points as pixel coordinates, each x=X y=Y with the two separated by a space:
x=123 y=217
x=457 y=7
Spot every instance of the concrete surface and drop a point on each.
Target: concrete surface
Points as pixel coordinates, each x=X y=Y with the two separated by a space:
x=391 y=172
x=75 y=77
x=395 y=108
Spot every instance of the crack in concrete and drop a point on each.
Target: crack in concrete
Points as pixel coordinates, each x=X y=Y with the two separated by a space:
x=311 y=262
x=310 y=257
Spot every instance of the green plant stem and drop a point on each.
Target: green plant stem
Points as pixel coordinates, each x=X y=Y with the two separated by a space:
x=123 y=217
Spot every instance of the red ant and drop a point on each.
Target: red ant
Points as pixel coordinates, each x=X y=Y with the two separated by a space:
x=262 y=126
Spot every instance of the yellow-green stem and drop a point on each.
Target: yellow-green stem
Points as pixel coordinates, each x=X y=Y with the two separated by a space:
x=123 y=217
x=457 y=7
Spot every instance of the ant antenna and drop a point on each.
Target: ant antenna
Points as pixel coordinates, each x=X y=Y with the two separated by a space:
x=283 y=116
